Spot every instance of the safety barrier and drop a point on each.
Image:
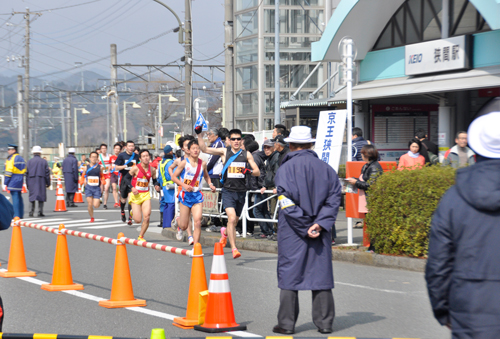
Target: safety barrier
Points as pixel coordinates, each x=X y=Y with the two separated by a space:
x=55 y=336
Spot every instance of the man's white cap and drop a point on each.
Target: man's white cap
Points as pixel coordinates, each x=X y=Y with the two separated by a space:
x=36 y=149
x=300 y=135
x=484 y=135
x=71 y=150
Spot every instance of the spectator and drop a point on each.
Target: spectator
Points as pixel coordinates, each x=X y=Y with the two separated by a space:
x=463 y=265
x=57 y=168
x=281 y=146
x=369 y=174
x=224 y=136
x=15 y=167
x=156 y=160
x=413 y=159
x=167 y=200
x=272 y=166
x=70 y=171
x=261 y=211
x=429 y=149
x=214 y=164
x=357 y=143
x=460 y=155
x=37 y=180
x=279 y=129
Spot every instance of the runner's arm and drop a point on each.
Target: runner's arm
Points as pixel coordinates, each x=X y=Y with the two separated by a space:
x=171 y=168
x=207 y=177
x=251 y=162
x=209 y=150
x=178 y=171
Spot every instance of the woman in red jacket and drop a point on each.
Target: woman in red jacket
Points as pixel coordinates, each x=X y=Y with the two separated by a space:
x=413 y=159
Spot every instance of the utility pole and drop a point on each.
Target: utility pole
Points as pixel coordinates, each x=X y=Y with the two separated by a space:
x=63 y=125
x=188 y=68
x=3 y=95
x=277 y=113
x=24 y=152
x=229 y=62
x=68 y=117
x=113 y=93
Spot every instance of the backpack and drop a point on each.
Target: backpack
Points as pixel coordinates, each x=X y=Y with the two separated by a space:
x=433 y=158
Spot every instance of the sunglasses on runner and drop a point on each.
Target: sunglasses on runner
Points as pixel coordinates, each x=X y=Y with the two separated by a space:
x=235 y=139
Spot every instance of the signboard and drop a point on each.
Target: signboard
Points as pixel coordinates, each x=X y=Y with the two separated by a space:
x=329 y=137
x=210 y=202
x=201 y=121
x=437 y=56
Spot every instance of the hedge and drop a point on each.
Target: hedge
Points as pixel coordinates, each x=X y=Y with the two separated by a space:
x=401 y=204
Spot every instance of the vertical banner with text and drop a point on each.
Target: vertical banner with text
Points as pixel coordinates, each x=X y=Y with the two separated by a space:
x=330 y=135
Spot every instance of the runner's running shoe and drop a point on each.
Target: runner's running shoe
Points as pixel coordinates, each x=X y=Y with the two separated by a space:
x=223 y=238
x=105 y=207
x=140 y=238
x=116 y=205
x=236 y=253
x=190 y=240
x=129 y=221
x=124 y=218
x=179 y=234
x=91 y=219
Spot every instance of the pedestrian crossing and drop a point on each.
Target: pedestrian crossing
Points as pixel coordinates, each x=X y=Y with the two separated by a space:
x=83 y=223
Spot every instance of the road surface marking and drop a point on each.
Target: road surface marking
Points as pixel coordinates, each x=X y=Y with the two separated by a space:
x=69 y=221
x=135 y=309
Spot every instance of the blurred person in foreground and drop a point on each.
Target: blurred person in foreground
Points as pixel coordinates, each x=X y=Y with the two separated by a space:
x=309 y=194
x=463 y=265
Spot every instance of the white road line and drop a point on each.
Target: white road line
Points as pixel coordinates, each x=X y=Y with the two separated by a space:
x=104 y=226
x=88 y=223
x=135 y=309
x=37 y=220
x=70 y=222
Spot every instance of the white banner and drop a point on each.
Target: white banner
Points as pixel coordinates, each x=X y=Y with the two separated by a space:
x=437 y=56
x=331 y=125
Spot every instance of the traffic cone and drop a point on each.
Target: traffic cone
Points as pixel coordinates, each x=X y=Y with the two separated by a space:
x=197 y=284
x=17 y=262
x=219 y=316
x=62 y=279
x=122 y=293
x=24 y=190
x=60 y=201
x=78 y=198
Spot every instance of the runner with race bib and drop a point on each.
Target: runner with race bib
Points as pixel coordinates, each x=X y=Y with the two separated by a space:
x=92 y=174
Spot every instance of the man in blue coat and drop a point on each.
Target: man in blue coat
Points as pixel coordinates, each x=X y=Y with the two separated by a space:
x=463 y=265
x=309 y=195
x=15 y=167
x=37 y=180
x=167 y=201
x=70 y=171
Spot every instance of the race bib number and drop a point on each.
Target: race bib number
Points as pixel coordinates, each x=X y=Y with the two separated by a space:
x=142 y=185
x=93 y=181
x=285 y=202
x=235 y=170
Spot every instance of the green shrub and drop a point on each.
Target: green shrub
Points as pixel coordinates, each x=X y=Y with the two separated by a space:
x=401 y=204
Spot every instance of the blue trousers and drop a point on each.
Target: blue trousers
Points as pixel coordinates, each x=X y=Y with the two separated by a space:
x=168 y=214
x=17 y=202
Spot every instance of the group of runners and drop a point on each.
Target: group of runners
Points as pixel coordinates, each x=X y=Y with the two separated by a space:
x=131 y=171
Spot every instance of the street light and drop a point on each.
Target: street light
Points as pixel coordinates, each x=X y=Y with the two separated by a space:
x=84 y=111
x=134 y=105
x=160 y=120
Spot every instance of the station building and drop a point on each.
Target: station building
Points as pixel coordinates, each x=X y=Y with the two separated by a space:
x=432 y=64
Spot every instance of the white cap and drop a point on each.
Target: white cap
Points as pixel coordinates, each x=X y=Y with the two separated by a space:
x=484 y=135
x=300 y=135
x=71 y=150
x=36 y=149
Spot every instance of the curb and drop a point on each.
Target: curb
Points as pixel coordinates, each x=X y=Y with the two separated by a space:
x=345 y=255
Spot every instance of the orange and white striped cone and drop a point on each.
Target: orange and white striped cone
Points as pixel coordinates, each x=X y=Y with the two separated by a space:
x=60 y=201
x=24 y=190
x=78 y=195
x=219 y=315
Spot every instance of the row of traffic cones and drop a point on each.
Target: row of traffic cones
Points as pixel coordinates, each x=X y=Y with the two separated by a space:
x=208 y=311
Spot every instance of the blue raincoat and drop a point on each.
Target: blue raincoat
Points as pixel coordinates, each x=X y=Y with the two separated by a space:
x=37 y=178
x=70 y=171
x=309 y=193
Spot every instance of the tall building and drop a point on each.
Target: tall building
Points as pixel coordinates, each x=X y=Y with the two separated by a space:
x=301 y=23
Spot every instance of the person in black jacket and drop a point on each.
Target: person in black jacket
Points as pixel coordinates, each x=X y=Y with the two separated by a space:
x=463 y=265
x=427 y=145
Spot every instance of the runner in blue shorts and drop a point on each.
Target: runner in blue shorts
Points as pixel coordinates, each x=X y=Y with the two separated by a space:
x=92 y=173
x=191 y=170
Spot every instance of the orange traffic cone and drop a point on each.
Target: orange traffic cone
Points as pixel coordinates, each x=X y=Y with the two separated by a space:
x=62 y=279
x=24 y=190
x=219 y=316
x=122 y=293
x=17 y=261
x=60 y=202
x=198 y=284
x=78 y=198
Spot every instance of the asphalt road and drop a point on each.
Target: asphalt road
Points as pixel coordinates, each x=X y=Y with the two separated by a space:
x=370 y=302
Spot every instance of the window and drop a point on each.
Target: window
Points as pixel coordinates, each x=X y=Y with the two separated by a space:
x=299 y=21
x=246 y=51
x=291 y=48
x=246 y=104
x=246 y=24
x=292 y=76
x=245 y=4
x=246 y=78
x=296 y=2
x=249 y=125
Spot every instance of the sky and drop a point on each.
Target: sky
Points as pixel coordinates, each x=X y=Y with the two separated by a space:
x=85 y=31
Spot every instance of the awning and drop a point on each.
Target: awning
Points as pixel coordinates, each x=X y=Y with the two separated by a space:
x=361 y=20
x=309 y=103
x=459 y=81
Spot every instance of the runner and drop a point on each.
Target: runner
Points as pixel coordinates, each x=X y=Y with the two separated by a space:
x=92 y=174
x=105 y=162
x=233 y=180
x=115 y=174
x=192 y=169
x=182 y=142
x=138 y=181
x=124 y=163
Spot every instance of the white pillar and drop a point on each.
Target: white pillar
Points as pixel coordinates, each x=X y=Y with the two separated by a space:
x=444 y=129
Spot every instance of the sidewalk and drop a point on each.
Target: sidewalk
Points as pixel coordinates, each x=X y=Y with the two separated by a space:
x=356 y=254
